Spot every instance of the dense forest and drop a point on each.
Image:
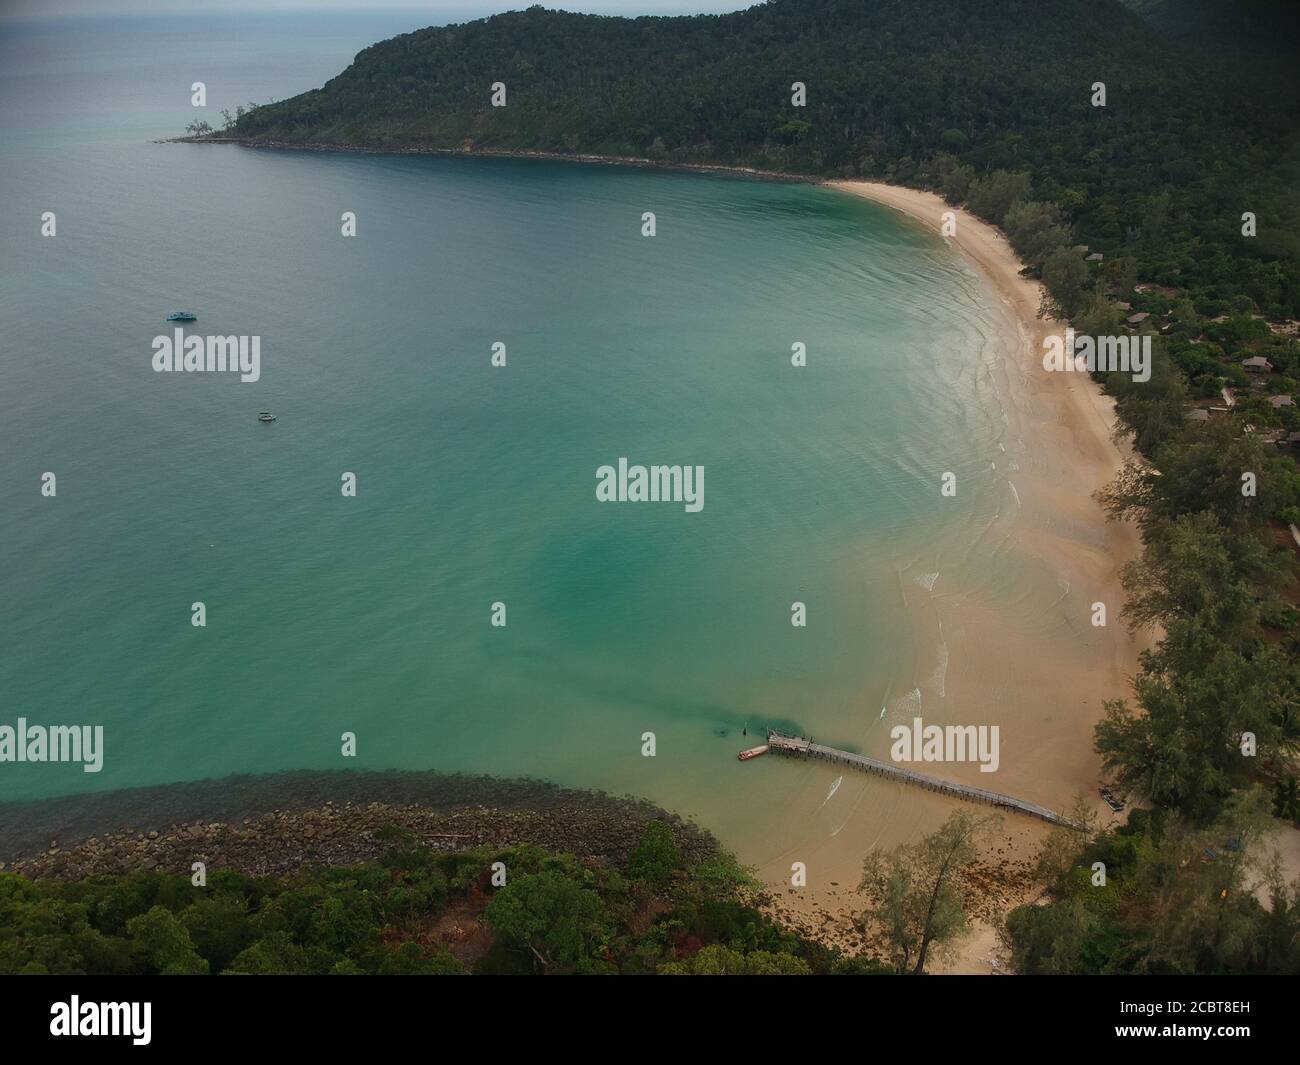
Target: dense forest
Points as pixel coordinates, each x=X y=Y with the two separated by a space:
x=414 y=911
x=901 y=90
x=1171 y=210
x=1268 y=29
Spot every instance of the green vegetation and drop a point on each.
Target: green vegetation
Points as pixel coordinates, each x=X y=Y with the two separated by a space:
x=1268 y=30
x=916 y=902
x=413 y=911
x=1175 y=899
x=1209 y=739
x=990 y=103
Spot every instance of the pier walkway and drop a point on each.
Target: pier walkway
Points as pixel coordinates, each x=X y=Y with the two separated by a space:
x=795 y=745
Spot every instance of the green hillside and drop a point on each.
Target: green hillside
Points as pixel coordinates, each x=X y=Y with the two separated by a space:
x=902 y=90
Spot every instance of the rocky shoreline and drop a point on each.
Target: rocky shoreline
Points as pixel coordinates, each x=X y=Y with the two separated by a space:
x=499 y=153
x=123 y=831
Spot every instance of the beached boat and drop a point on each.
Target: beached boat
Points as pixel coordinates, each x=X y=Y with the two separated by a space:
x=182 y=316
x=265 y=416
x=753 y=752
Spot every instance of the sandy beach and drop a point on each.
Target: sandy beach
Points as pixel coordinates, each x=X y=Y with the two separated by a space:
x=1043 y=675
x=1086 y=412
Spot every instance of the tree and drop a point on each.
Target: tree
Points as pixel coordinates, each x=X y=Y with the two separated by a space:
x=410 y=960
x=1177 y=898
x=1204 y=472
x=1151 y=412
x=1195 y=569
x=1036 y=230
x=914 y=901
x=1065 y=275
x=653 y=860
x=219 y=928
x=1098 y=318
x=164 y=945
x=1065 y=843
x=993 y=196
x=277 y=954
x=1048 y=940
x=1197 y=469
x=955 y=185
x=1183 y=750
x=558 y=921
x=1197 y=891
x=718 y=960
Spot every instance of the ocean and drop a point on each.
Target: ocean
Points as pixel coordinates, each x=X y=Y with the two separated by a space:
x=627 y=625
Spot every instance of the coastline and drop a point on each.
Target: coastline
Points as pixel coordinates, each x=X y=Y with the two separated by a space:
x=1069 y=531
x=505 y=153
x=1090 y=411
x=276 y=823
x=1086 y=412
x=1065 y=684
x=1086 y=443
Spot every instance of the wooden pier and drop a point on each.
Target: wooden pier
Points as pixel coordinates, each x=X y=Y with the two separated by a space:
x=782 y=744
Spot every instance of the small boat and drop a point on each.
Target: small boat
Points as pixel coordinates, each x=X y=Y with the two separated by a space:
x=182 y=316
x=753 y=752
x=265 y=416
x=1111 y=801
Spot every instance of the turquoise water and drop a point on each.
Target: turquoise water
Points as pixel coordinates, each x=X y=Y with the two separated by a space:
x=476 y=484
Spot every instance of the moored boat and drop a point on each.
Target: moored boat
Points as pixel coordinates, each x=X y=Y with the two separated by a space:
x=182 y=316
x=753 y=752
x=265 y=416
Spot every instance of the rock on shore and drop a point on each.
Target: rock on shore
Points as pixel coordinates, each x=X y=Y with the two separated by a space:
x=443 y=813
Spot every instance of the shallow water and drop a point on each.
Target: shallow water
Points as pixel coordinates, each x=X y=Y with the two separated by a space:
x=476 y=484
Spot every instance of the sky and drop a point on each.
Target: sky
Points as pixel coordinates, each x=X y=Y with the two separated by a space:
x=438 y=11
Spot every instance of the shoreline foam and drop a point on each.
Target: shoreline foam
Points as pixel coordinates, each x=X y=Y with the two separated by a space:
x=1065 y=528
x=987 y=247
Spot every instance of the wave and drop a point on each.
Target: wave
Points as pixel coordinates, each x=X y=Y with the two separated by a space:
x=939 y=675
x=835 y=786
x=908 y=704
x=926 y=580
